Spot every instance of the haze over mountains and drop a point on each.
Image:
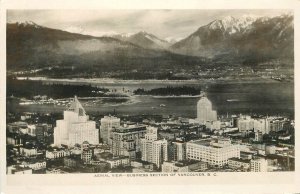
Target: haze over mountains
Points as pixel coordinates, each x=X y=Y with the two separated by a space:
x=247 y=40
x=144 y=39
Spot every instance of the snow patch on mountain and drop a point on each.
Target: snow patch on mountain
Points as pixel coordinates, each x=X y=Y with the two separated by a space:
x=26 y=24
x=232 y=25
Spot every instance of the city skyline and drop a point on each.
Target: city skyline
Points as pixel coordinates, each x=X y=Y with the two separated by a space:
x=145 y=148
x=135 y=103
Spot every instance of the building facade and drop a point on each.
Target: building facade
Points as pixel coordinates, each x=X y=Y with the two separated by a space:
x=57 y=154
x=215 y=152
x=179 y=153
x=169 y=167
x=238 y=163
x=108 y=123
x=159 y=152
x=205 y=111
x=126 y=141
x=146 y=143
x=75 y=128
x=87 y=152
x=259 y=165
x=118 y=161
x=153 y=150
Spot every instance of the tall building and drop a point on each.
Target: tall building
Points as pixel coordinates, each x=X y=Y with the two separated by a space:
x=214 y=151
x=126 y=140
x=40 y=131
x=245 y=123
x=159 y=152
x=179 y=151
x=87 y=152
x=146 y=143
x=76 y=127
x=258 y=136
x=153 y=150
x=205 y=111
x=108 y=123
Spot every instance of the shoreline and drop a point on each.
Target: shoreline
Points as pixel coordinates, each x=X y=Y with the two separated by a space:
x=121 y=81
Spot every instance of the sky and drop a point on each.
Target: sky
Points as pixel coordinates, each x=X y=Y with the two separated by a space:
x=166 y=24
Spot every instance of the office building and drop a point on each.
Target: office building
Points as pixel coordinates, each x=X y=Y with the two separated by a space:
x=245 y=123
x=153 y=150
x=126 y=140
x=159 y=152
x=76 y=127
x=146 y=143
x=214 y=151
x=87 y=152
x=108 y=123
x=179 y=153
x=40 y=131
x=169 y=167
x=205 y=111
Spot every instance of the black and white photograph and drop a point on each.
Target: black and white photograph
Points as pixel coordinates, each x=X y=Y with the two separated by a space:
x=141 y=91
x=96 y=97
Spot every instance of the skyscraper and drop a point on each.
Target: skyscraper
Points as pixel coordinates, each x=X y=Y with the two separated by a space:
x=146 y=143
x=153 y=150
x=205 y=111
x=126 y=140
x=107 y=125
x=159 y=152
x=75 y=128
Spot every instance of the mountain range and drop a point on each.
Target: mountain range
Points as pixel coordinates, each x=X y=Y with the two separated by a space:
x=246 y=40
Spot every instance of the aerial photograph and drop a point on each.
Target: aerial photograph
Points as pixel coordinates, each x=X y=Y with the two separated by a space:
x=148 y=91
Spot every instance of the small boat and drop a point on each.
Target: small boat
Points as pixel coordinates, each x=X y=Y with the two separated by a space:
x=233 y=100
x=162 y=105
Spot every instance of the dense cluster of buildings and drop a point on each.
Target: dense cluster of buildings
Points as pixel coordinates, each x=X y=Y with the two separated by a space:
x=206 y=143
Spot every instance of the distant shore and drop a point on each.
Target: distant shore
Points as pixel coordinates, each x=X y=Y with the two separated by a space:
x=115 y=81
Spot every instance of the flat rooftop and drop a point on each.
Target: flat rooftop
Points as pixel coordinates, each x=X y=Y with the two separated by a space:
x=208 y=142
x=130 y=128
x=240 y=160
x=203 y=142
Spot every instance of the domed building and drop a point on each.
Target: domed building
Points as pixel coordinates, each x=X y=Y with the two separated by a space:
x=205 y=111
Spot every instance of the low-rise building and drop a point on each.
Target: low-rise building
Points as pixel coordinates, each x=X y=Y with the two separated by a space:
x=239 y=163
x=55 y=171
x=57 y=153
x=118 y=161
x=197 y=166
x=184 y=166
x=28 y=151
x=259 y=165
x=17 y=169
x=34 y=164
x=72 y=161
x=173 y=167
